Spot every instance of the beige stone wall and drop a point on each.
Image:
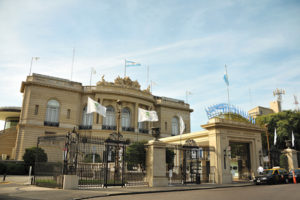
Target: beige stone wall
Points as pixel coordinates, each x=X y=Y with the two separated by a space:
x=7 y=141
x=258 y=111
x=39 y=89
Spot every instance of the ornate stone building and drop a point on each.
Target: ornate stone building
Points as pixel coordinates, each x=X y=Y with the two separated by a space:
x=53 y=106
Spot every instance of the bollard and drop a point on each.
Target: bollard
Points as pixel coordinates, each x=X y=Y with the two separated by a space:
x=4 y=176
x=294 y=178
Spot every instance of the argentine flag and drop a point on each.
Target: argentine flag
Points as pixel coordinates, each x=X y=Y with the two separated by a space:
x=226 y=79
x=132 y=64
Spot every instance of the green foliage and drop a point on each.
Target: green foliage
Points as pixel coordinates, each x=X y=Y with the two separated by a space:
x=12 y=168
x=284 y=162
x=285 y=122
x=234 y=117
x=136 y=155
x=47 y=183
x=89 y=158
x=170 y=158
x=34 y=154
x=3 y=168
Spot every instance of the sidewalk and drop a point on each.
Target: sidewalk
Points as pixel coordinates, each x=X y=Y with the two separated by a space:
x=21 y=190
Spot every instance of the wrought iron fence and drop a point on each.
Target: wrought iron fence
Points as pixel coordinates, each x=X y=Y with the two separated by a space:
x=191 y=164
x=48 y=174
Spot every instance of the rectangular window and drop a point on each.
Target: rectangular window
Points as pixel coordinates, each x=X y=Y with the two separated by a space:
x=166 y=126
x=36 y=110
x=68 y=113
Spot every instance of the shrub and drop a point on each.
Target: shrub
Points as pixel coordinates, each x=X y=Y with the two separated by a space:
x=170 y=158
x=3 y=168
x=136 y=155
x=34 y=154
x=12 y=168
x=284 y=161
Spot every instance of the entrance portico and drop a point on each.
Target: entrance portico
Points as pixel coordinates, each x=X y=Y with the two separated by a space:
x=236 y=148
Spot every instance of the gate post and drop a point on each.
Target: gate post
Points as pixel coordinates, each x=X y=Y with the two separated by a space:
x=292 y=158
x=156 y=164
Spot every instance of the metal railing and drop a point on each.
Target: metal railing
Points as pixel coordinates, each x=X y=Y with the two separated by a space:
x=109 y=127
x=47 y=123
x=85 y=127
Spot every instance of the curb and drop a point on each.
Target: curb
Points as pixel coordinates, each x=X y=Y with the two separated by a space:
x=161 y=191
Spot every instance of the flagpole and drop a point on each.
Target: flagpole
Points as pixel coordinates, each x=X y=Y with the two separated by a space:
x=72 y=63
x=147 y=75
x=125 y=69
x=228 y=94
x=91 y=77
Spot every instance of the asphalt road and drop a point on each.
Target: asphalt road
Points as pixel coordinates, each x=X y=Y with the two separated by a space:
x=261 y=192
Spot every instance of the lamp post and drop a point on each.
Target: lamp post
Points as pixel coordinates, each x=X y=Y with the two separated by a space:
x=118 y=139
x=260 y=155
x=267 y=134
x=33 y=58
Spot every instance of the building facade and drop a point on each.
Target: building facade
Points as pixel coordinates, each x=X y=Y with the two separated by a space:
x=53 y=106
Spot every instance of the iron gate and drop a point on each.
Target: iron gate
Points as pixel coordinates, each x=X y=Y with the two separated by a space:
x=191 y=164
x=114 y=159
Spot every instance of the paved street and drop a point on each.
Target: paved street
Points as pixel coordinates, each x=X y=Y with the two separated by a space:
x=17 y=187
x=274 y=192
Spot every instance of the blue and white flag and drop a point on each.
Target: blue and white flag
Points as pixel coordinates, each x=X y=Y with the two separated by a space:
x=226 y=78
x=132 y=64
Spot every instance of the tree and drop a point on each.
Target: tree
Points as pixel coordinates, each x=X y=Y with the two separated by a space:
x=285 y=122
x=170 y=158
x=34 y=154
x=136 y=155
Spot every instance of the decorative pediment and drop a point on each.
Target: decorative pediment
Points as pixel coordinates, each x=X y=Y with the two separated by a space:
x=124 y=82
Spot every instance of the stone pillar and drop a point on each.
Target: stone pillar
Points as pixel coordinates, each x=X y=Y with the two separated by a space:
x=136 y=127
x=156 y=164
x=292 y=158
x=70 y=182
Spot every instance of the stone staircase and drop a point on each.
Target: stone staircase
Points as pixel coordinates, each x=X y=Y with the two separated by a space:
x=7 y=141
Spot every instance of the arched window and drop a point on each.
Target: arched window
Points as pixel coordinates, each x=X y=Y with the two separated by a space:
x=87 y=119
x=125 y=119
x=109 y=122
x=175 y=126
x=52 y=113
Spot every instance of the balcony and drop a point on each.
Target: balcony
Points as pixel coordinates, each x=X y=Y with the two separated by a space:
x=146 y=131
x=46 y=123
x=85 y=127
x=108 y=127
x=130 y=129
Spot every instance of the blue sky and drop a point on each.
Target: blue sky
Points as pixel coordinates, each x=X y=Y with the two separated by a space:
x=185 y=44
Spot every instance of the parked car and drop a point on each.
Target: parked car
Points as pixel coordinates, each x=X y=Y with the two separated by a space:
x=297 y=175
x=272 y=176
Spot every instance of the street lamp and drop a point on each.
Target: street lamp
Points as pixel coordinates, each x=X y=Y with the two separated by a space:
x=118 y=139
x=33 y=58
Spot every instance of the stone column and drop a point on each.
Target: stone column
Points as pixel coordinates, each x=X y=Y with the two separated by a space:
x=292 y=158
x=136 y=127
x=156 y=164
